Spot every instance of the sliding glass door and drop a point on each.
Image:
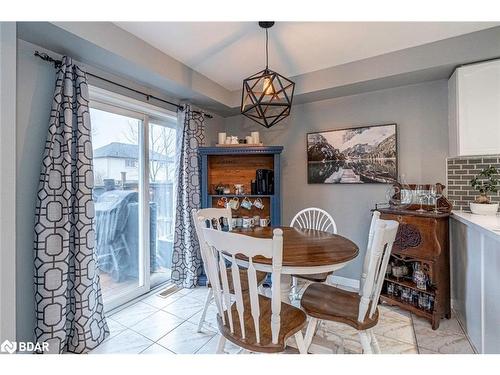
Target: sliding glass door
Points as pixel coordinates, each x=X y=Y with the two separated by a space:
x=161 y=193
x=133 y=160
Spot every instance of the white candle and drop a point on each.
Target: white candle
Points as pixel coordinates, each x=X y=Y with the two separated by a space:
x=222 y=138
x=255 y=137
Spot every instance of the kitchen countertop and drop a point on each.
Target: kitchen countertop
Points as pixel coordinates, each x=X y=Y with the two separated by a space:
x=489 y=224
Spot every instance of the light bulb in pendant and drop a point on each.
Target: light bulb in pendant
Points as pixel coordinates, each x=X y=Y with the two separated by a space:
x=268 y=87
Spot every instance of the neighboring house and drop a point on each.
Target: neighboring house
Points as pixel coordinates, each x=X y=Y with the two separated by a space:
x=114 y=158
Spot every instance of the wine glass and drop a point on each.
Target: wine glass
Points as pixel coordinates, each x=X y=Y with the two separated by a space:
x=421 y=194
x=435 y=193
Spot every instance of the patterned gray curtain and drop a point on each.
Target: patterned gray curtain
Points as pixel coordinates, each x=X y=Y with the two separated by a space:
x=186 y=258
x=69 y=308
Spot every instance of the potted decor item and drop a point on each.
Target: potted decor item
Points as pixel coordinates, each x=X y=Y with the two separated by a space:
x=485 y=182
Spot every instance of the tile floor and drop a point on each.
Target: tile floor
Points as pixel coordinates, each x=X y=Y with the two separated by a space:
x=158 y=325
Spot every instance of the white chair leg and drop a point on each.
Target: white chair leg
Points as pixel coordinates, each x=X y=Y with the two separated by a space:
x=374 y=342
x=300 y=343
x=311 y=330
x=365 y=342
x=208 y=299
x=295 y=286
x=220 y=345
x=329 y=280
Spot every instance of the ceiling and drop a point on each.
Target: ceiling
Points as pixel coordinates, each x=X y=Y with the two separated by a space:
x=227 y=52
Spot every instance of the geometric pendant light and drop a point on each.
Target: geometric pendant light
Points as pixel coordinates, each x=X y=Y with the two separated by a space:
x=267 y=96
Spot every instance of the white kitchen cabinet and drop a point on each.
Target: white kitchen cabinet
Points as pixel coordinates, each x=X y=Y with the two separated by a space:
x=475 y=278
x=491 y=257
x=474 y=109
x=466 y=279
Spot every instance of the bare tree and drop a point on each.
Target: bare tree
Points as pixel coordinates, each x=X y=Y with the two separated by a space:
x=161 y=147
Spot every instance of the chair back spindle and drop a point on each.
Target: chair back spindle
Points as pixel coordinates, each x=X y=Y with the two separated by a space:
x=314 y=218
x=378 y=258
x=222 y=246
x=366 y=262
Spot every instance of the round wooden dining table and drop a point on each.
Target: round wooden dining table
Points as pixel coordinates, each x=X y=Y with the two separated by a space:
x=305 y=251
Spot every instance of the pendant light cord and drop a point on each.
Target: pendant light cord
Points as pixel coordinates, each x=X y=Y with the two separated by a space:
x=267 y=50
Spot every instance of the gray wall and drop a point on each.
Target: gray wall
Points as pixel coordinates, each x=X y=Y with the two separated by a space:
x=421 y=112
x=35 y=87
x=7 y=180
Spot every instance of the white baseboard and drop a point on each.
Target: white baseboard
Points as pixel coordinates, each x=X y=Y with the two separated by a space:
x=344 y=281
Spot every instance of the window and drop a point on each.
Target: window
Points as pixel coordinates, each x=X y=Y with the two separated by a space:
x=131 y=163
x=134 y=229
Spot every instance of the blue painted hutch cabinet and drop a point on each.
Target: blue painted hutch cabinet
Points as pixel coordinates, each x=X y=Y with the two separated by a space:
x=227 y=166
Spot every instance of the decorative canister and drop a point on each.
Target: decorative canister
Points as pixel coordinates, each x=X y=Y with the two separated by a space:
x=247 y=222
x=221 y=138
x=420 y=279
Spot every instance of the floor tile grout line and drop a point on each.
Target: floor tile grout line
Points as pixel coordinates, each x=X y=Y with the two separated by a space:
x=154 y=343
x=214 y=333
x=186 y=321
x=163 y=346
x=139 y=320
x=446 y=332
x=414 y=333
x=212 y=338
x=465 y=333
x=189 y=317
x=175 y=300
x=438 y=352
x=111 y=338
x=120 y=333
x=169 y=332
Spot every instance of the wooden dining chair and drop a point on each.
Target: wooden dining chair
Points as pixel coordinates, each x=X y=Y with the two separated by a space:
x=252 y=321
x=358 y=310
x=312 y=218
x=212 y=217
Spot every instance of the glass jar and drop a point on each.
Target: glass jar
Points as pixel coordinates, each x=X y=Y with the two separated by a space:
x=419 y=277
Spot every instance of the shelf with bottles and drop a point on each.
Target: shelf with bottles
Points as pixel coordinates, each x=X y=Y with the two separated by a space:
x=409 y=284
x=415 y=274
x=405 y=296
x=395 y=301
x=410 y=296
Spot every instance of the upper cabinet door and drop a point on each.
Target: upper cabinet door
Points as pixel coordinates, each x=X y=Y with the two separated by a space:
x=474 y=110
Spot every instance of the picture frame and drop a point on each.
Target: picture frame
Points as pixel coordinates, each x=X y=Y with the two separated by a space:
x=353 y=155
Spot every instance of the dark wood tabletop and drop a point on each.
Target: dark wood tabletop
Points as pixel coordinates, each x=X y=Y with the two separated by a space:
x=307 y=247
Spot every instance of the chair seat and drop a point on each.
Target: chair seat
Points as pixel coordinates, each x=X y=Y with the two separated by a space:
x=315 y=277
x=261 y=276
x=292 y=320
x=327 y=302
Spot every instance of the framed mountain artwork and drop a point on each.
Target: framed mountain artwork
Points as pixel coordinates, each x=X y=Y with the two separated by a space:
x=363 y=155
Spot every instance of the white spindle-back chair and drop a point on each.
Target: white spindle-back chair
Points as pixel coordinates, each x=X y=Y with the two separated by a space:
x=312 y=218
x=359 y=310
x=252 y=321
x=366 y=262
x=212 y=218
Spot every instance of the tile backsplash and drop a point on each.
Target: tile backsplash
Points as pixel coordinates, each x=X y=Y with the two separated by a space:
x=459 y=173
